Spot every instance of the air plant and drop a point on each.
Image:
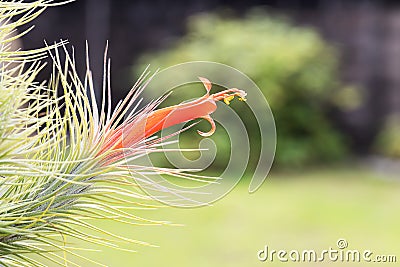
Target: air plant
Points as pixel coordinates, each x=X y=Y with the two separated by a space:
x=63 y=160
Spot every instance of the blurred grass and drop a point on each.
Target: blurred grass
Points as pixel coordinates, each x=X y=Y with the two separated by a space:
x=308 y=210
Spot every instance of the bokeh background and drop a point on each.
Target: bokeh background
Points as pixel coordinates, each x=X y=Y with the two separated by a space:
x=330 y=72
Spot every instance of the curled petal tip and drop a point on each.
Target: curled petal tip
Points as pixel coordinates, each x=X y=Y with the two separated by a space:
x=212 y=130
x=207 y=134
x=207 y=84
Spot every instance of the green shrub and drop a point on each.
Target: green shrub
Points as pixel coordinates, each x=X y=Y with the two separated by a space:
x=295 y=69
x=388 y=140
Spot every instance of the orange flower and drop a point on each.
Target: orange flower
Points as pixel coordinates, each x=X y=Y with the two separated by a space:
x=139 y=129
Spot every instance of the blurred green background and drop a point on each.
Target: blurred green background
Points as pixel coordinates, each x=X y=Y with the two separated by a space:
x=293 y=67
x=292 y=210
x=329 y=70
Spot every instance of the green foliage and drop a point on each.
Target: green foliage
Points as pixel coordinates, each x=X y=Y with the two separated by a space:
x=295 y=69
x=388 y=140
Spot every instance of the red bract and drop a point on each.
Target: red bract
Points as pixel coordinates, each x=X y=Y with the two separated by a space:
x=141 y=128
